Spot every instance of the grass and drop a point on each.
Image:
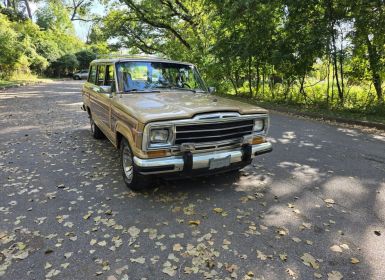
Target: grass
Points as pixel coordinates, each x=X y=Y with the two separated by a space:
x=375 y=115
x=22 y=80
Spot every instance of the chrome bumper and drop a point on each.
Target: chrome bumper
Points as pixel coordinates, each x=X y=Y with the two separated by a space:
x=198 y=161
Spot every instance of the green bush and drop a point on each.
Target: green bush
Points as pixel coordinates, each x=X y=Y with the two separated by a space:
x=11 y=49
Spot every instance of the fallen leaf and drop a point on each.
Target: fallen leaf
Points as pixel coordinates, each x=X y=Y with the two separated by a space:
x=336 y=248
x=290 y=272
x=334 y=275
x=102 y=243
x=218 y=210
x=169 y=269
x=88 y=215
x=65 y=265
x=21 y=255
x=283 y=257
x=261 y=255
x=354 y=260
x=139 y=260
x=133 y=231
x=309 y=260
x=194 y=222
x=177 y=247
x=52 y=273
x=231 y=267
x=306 y=225
x=329 y=201
x=47 y=265
x=296 y=239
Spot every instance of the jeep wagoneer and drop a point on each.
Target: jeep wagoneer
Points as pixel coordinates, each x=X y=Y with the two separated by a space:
x=165 y=120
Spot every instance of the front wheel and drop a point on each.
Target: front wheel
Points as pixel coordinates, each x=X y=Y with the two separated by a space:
x=133 y=179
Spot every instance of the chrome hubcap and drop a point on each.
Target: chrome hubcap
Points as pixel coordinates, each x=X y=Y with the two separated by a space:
x=127 y=164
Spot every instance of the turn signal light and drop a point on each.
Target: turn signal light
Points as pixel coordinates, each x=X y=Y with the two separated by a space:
x=159 y=153
x=258 y=140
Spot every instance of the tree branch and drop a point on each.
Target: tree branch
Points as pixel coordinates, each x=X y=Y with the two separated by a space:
x=142 y=15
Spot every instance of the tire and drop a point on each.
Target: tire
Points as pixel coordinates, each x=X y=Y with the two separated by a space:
x=132 y=178
x=95 y=130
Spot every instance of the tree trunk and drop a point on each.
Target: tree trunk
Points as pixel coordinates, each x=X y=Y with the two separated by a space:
x=373 y=62
x=302 y=89
x=328 y=84
x=28 y=9
x=234 y=84
x=263 y=81
x=249 y=77
x=258 y=80
x=332 y=20
x=342 y=70
x=335 y=62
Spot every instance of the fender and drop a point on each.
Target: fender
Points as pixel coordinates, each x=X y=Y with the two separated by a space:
x=126 y=132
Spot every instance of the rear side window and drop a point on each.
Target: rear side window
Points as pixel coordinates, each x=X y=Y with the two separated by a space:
x=101 y=75
x=92 y=76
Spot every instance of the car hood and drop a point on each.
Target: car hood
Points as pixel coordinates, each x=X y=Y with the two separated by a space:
x=149 y=107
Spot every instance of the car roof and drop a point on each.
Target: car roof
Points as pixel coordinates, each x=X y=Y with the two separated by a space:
x=137 y=58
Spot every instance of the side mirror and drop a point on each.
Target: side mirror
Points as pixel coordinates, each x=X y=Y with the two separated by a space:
x=212 y=89
x=106 y=89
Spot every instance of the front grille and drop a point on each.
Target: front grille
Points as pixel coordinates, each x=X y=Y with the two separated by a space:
x=213 y=132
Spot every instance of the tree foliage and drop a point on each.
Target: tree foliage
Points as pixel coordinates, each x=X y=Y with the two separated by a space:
x=295 y=51
x=47 y=46
x=316 y=52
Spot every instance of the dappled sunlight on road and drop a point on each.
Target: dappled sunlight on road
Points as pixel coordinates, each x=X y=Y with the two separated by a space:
x=379 y=203
x=315 y=190
x=348 y=191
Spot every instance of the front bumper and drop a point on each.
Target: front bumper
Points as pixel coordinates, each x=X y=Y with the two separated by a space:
x=200 y=161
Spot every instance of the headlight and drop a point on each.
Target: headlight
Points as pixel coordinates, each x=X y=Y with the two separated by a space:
x=159 y=135
x=258 y=125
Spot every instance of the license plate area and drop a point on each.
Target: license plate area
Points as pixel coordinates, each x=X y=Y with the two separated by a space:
x=216 y=163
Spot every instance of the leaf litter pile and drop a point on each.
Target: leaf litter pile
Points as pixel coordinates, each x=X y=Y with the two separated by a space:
x=66 y=213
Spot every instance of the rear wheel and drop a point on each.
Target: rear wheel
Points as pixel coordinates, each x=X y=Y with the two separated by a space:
x=95 y=130
x=133 y=179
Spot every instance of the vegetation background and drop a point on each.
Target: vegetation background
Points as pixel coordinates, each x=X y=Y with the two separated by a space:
x=317 y=55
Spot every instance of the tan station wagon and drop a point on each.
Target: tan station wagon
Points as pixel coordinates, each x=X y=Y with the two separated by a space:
x=165 y=120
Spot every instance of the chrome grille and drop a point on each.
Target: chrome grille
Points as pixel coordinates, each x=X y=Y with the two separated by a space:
x=213 y=132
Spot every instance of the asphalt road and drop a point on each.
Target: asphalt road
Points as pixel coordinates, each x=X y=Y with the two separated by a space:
x=301 y=212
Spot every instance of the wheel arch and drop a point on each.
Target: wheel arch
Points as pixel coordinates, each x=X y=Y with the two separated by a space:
x=123 y=131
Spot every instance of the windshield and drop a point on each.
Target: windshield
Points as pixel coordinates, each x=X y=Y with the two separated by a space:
x=149 y=76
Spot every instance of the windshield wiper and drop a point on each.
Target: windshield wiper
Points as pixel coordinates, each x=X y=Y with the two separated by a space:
x=179 y=88
x=140 y=90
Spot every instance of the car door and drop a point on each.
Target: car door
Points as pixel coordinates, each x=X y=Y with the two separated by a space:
x=101 y=101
